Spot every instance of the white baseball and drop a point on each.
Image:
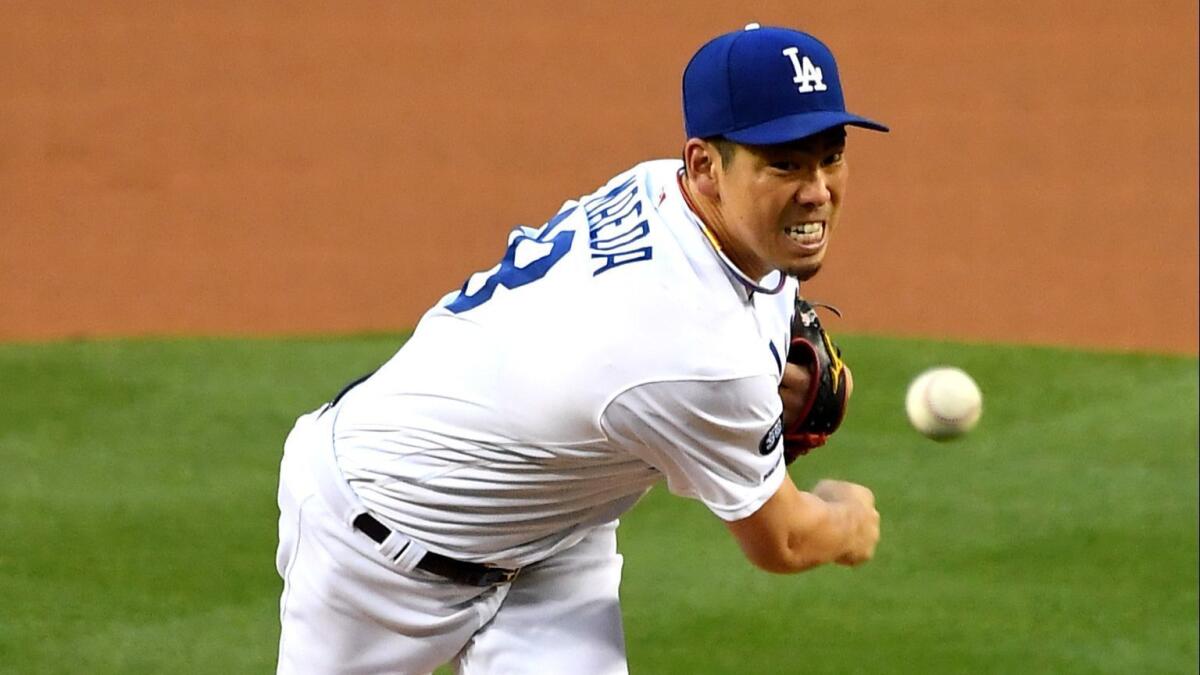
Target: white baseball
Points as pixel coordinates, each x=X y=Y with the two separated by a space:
x=943 y=403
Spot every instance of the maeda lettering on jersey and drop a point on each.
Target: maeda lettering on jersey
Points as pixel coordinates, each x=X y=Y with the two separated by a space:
x=616 y=227
x=808 y=76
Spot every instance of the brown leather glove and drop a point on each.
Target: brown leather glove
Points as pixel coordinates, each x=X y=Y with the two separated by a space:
x=828 y=393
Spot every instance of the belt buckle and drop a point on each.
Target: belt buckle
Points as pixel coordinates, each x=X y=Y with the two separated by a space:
x=501 y=575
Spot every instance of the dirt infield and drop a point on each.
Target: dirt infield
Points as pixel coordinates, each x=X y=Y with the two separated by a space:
x=240 y=168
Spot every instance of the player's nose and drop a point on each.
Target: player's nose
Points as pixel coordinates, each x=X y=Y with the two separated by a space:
x=813 y=190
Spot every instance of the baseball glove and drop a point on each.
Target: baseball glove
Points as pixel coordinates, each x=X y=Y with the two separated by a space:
x=825 y=405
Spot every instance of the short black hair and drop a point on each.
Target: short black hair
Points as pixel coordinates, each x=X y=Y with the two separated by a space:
x=725 y=148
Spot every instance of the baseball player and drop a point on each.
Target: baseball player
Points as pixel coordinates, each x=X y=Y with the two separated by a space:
x=459 y=505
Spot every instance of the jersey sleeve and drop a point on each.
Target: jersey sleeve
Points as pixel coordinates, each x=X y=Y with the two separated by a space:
x=714 y=441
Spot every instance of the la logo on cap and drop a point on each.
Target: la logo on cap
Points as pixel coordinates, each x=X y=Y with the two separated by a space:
x=743 y=86
x=808 y=76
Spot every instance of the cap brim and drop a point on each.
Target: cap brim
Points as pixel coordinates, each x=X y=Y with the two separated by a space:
x=795 y=127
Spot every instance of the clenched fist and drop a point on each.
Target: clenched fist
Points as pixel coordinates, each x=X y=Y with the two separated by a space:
x=861 y=524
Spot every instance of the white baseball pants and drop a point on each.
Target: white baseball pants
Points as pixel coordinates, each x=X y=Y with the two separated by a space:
x=346 y=610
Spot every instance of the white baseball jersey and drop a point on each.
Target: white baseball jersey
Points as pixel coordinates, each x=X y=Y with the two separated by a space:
x=611 y=348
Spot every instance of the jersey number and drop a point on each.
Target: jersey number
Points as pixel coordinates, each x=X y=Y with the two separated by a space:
x=508 y=274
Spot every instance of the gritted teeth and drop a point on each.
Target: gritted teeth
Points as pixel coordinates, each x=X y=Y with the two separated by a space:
x=809 y=232
x=813 y=227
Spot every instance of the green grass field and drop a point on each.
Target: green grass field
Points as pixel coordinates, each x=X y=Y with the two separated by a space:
x=137 y=519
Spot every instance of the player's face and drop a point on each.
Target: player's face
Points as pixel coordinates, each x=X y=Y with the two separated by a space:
x=780 y=203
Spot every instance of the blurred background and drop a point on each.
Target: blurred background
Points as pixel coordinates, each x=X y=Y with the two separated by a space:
x=240 y=168
x=215 y=214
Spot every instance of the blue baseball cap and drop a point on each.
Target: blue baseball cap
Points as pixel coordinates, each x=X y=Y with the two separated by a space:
x=764 y=85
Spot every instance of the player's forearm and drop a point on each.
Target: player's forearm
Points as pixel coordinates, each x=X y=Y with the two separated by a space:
x=795 y=531
x=820 y=532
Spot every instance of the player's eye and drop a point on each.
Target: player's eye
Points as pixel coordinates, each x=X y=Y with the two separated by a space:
x=832 y=159
x=785 y=166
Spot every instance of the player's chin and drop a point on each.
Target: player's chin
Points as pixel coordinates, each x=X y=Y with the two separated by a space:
x=805 y=269
x=802 y=263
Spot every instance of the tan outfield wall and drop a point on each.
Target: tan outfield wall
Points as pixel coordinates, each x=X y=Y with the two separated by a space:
x=240 y=168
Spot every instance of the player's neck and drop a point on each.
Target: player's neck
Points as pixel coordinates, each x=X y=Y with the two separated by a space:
x=713 y=224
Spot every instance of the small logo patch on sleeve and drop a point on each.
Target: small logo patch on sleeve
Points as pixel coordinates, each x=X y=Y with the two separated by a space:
x=771 y=438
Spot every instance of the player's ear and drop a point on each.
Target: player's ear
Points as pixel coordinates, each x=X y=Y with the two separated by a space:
x=703 y=163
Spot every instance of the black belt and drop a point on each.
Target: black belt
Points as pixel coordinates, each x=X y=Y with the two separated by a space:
x=469 y=573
